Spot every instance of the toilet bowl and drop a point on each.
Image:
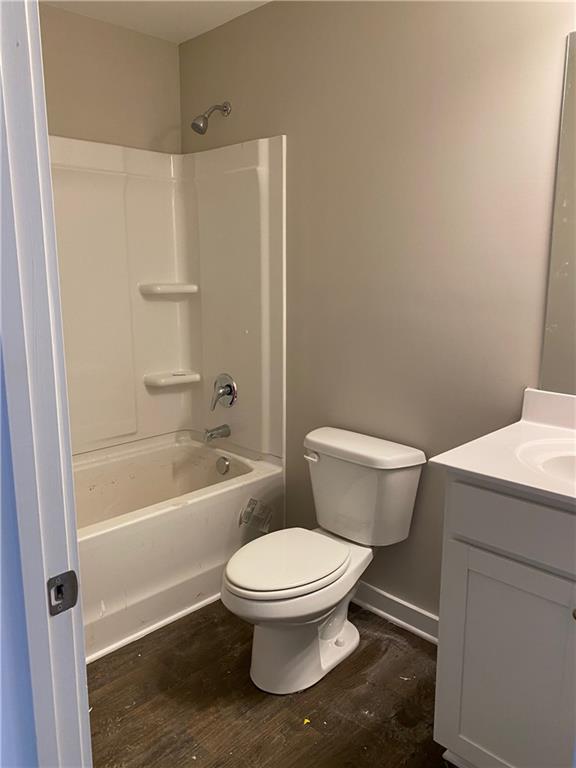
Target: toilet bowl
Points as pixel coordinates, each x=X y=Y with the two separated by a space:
x=295 y=585
x=302 y=631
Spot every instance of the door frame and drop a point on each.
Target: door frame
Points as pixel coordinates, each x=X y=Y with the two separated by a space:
x=33 y=351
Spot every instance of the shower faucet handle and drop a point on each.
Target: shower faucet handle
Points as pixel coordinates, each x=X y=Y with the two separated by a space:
x=225 y=391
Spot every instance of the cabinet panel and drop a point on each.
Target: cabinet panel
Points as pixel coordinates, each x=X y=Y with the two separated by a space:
x=519 y=527
x=506 y=684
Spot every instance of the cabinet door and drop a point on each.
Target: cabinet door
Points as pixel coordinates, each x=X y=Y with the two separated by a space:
x=506 y=672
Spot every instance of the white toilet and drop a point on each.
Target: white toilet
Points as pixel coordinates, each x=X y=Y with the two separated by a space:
x=295 y=585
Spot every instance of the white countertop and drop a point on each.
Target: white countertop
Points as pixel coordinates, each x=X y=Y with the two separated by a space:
x=523 y=454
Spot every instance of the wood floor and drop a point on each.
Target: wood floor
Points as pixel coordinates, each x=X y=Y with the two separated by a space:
x=182 y=697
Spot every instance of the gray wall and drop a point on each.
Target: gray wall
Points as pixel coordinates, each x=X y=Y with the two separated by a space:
x=421 y=149
x=109 y=84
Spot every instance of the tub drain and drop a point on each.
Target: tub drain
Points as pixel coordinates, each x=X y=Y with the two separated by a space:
x=223 y=465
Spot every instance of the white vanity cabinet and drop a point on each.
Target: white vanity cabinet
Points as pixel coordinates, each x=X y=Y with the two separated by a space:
x=506 y=676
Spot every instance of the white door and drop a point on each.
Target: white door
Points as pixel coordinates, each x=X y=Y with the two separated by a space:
x=505 y=693
x=36 y=398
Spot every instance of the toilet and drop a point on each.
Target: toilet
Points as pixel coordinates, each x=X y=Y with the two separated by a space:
x=295 y=585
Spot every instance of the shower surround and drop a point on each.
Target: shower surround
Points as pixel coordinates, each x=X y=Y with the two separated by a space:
x=172 y=271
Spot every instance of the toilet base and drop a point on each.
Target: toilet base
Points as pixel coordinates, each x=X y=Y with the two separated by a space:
x=287 y=658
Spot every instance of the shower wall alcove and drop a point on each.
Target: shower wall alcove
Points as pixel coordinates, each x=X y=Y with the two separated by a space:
x=172 y=272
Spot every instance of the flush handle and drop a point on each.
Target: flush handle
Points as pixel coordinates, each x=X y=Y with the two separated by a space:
x=312 y=457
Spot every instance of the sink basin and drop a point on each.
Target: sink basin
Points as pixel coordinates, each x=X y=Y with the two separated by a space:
x=555 y=458
x=563 y=467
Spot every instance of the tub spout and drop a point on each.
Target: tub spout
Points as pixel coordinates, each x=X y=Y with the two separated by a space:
x=212 y=434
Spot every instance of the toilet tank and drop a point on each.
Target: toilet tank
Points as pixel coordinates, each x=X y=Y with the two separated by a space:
x=364 y=487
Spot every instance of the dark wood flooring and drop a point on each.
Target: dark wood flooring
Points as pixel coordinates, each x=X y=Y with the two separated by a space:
x=182 y=697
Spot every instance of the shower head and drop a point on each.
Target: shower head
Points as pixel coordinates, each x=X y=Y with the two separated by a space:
x=200 y=123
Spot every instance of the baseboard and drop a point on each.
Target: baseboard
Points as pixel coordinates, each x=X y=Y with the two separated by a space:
x=391 y=608
x=398 y=611
x=455 y=760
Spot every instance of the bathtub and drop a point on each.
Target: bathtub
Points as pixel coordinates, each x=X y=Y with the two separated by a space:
x=157 y=522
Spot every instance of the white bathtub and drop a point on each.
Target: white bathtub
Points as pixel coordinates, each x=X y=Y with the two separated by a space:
x=156 y=525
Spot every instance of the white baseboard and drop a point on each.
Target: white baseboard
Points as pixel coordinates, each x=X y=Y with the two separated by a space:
x=391 y=608
x=398 y=611
x=455 y=760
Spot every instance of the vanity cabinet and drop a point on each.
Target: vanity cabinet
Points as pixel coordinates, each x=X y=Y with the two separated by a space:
x=506 y=660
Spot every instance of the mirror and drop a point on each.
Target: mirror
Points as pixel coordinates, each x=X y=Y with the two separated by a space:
x=558 y=370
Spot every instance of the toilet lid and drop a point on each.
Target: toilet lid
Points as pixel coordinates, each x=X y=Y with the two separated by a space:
x=286 y=560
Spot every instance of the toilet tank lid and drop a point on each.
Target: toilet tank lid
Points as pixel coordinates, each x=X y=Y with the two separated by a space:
x=363 y=449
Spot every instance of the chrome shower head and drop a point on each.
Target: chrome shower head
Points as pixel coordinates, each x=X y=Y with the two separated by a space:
x=200 y=123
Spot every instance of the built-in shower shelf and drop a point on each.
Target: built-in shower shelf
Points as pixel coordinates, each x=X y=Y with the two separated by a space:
x=167 y=289
x=171 y=378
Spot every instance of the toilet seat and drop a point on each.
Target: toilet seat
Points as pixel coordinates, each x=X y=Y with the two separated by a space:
x=286 y=564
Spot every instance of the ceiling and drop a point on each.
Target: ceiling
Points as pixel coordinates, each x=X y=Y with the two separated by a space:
x=174 y=20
